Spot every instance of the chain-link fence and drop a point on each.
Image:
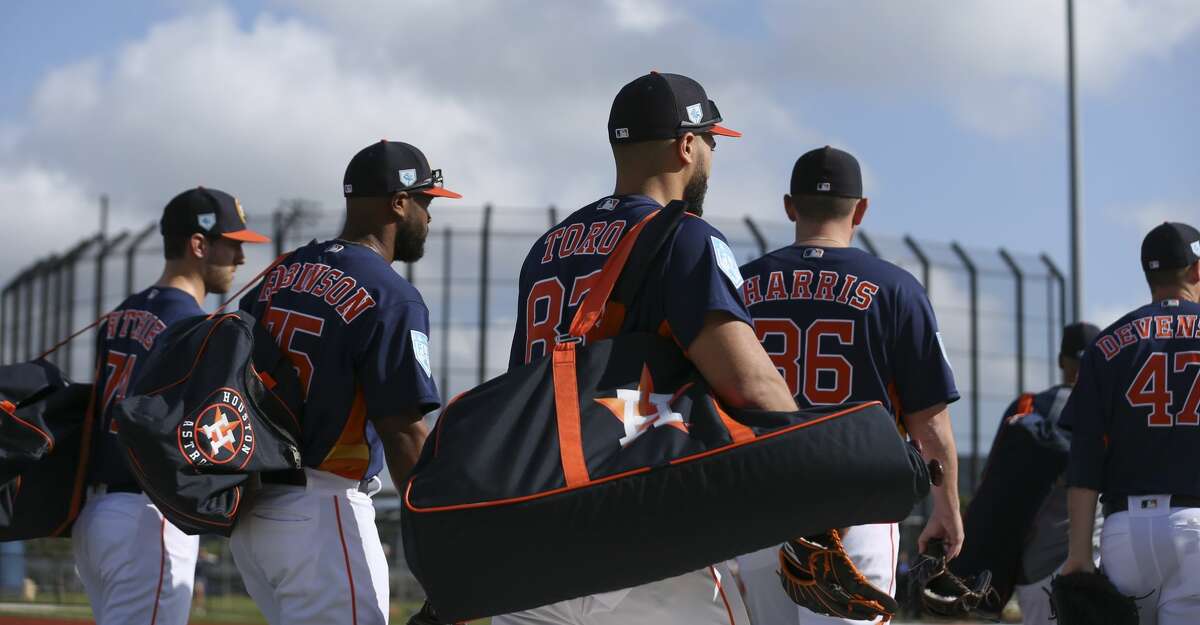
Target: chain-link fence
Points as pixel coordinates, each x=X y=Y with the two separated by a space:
x=1000 y=311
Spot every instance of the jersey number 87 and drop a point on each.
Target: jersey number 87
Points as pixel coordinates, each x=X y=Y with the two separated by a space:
x=1151 y=388
x=823 y=379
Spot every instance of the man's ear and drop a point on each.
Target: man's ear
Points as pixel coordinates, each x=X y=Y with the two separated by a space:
x=860 y=211
x=198 y=246
x=1194 y=272
x=685 y=148
x=789 y=208
x=398 y=206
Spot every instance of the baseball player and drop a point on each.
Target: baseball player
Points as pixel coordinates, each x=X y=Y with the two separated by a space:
x=358 y=336
x=843 y=326
x=663 y=130
x=135 y=565
x=1135 y=422
x=1046 y=539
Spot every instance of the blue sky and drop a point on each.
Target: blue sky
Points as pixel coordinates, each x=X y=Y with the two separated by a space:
x=956 y=111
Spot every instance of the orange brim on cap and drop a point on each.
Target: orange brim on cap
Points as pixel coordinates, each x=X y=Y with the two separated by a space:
x=718 y=129
x=246 y=236
x=440 y=192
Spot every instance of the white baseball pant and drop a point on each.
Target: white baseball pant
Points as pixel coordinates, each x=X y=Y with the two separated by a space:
x=704 y=597
x=136 y=566
x=872 y=548
x=311 y=554
x=1154 y=550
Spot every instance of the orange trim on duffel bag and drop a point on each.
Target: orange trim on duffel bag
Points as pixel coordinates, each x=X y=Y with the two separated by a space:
x=557 y=491
x=85 y=452
x=590 y=312
x=739 y=432
x=566 y=411
x=1024 y=407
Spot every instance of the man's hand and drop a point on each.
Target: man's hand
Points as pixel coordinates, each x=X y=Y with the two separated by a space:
x=402 y=437
x=946 y=524
x=1078 y=565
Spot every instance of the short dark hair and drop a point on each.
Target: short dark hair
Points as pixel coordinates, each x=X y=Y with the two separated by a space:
x=176 y=245
x=823 y=207
x=1165 y=278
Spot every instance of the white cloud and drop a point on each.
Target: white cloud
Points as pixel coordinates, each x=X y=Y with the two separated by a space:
x=43 y=209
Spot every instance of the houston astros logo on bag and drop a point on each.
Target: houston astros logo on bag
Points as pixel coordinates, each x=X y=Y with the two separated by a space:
x=220 y=433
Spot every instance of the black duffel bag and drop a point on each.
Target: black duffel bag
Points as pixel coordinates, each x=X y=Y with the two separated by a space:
x=45 y=425
x=612 y=465
x=217 y=406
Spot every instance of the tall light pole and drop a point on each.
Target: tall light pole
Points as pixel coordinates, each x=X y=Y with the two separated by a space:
x=1073 y=152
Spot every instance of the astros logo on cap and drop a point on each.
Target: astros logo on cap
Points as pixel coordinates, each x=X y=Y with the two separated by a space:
x=220 y=433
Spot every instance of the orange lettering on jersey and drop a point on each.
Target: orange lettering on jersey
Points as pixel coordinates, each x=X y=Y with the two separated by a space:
x=844 y=296
x=826 y=282
x=1185 y=326
x=1162 y=326
x=1108 y=346
x=570 y=240
x=112 y=322
x=1143 y=327
x=308 y=277
x=289 y=277
x=592 y=240
x=340 y=290
x=355 y=305
x=750 y=293
x=864 y=296
x=612 y=234
x=156 y=328
x=326 y=281
x=802 y=284
x=551 y=241
x=775 y=289
x=1125 y=335
x=128 y=319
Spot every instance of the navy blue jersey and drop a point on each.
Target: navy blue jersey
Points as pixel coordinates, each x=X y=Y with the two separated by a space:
x=1135 y=411
x=843 y=326
x=124 y=339
x=358 y=336
x=699 y=275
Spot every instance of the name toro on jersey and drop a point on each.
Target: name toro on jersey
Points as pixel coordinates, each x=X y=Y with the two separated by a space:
x=698 y=275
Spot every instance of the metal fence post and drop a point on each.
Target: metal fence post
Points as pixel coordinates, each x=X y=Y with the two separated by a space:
x=924 y=260
x=447 y=254
x=1020 y=310
x=757 y=234
x=973 y=273
x=33 y=271
x=867 y=242
x=44 y=280
x=72 y=257
x=484 y=268
x=1054 y=276
x=131 y=255
x=552 y=211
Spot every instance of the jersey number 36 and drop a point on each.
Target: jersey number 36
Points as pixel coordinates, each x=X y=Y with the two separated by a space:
x=822 y=378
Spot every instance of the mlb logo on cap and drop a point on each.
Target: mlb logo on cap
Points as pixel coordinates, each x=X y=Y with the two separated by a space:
x=824 y=186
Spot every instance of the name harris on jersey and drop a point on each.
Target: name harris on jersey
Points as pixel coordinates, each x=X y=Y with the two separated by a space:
x=828 y=286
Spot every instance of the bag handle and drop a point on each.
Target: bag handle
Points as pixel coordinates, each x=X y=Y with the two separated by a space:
x=57 y=346
x=603 y=309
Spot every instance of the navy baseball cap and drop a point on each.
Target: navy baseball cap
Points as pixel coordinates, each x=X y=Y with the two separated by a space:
x=1076 y=338
x=207 y=211
x=827 y=171
x=663 y=106
x=388 y=167
x=1172 y=245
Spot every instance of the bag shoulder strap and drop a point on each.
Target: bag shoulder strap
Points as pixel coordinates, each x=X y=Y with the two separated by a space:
x=603 y=309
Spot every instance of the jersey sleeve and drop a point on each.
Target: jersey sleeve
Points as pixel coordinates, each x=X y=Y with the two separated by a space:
x=516 y=353
x=922 y=372
x=395 y=370
x=701 y=276
x=1084 y=418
